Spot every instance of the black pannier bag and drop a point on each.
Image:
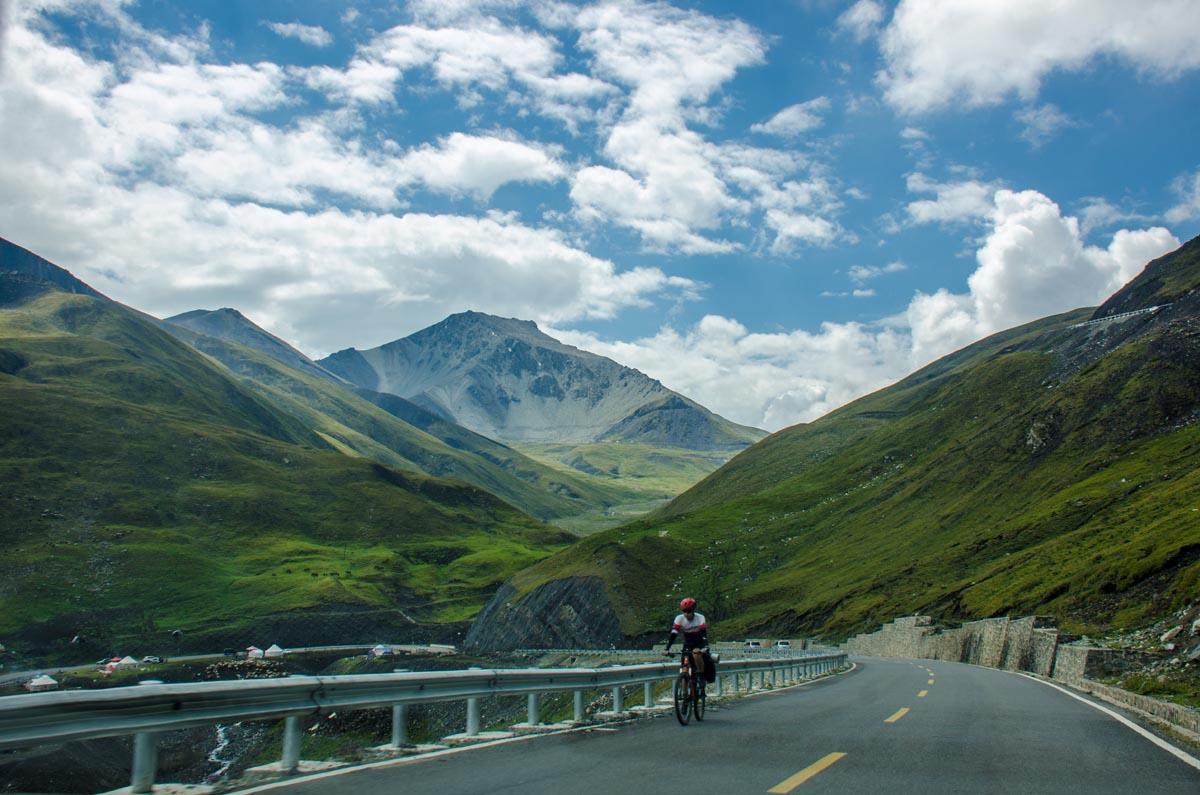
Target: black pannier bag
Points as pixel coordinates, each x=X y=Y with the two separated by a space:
x=710 y=667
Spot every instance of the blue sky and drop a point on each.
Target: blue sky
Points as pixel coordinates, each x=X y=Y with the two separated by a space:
x=772 y=207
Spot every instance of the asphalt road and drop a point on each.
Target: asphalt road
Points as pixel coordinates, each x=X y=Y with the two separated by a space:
x=975 y=730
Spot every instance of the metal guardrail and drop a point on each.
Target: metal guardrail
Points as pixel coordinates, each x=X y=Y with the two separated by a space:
x=148 y=709
x=1121 y=316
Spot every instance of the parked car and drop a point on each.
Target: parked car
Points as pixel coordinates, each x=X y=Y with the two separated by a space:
x=153 y=658
x=230 y=652
x=783 y=645
x=753 y=645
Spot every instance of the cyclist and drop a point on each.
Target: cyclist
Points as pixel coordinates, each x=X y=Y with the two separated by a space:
x=695 y=635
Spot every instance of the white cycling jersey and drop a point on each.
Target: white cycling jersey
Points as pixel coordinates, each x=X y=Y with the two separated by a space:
x=690 y=627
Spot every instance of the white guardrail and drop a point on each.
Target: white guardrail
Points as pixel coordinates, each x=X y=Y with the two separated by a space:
x=146 y=710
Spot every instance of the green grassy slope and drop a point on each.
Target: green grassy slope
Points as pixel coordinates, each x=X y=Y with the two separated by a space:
x=144 y=489
x=378 y=427
x=1050 y=469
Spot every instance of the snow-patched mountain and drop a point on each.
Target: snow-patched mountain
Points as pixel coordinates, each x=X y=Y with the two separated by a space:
x=506 y=379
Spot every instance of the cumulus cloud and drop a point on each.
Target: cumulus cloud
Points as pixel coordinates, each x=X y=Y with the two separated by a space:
x=795 y=119
x=1032 y=263
x=862 y=20
x=1187 y=188
x=479 y=164
x=979 y=53
x=953 y=202
x=315 y=35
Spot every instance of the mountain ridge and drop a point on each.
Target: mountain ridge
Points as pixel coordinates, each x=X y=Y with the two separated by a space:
x=506 y=379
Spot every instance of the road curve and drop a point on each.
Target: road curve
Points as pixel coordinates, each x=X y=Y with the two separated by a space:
x=871 y=730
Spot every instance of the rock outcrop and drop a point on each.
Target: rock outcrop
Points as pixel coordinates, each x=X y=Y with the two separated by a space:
x=572 y=613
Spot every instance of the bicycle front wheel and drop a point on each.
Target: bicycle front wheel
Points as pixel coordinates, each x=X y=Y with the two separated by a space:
x=683 y=699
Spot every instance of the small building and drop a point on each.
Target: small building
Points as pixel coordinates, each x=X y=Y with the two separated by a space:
x=274 y=651
x=39 y=684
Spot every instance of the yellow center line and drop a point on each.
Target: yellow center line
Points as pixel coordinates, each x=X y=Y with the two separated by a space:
x=922 y=694
x=789 y=784
x=900 y=713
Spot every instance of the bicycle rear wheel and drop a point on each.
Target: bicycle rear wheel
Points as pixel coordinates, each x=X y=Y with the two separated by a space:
x=698 y=699
x=683 y=699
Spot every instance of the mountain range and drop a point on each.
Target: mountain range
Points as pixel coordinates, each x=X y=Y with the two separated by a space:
x=203 y=474
x=1049 y=469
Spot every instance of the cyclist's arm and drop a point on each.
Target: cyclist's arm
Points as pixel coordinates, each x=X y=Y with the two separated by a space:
x=671 y=637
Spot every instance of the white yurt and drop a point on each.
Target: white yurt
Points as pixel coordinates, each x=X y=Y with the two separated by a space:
x=274 y=651
x=41 y=683
x=381 y=651
x=254 y=653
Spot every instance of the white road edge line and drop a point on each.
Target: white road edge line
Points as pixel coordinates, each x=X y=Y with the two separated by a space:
x=412 y=760
x=1183 y=756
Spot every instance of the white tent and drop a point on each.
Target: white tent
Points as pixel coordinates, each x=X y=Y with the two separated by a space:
x=127 y=662
x=273 y=651
x=40 y=683
x=253 y=652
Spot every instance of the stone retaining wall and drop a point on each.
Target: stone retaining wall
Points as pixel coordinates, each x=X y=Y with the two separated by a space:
x=1023 y=644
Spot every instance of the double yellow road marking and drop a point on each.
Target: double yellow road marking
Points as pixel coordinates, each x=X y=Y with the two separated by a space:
x=790 y=783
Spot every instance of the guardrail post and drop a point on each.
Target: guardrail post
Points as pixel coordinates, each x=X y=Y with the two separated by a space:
x=534 y=718
x=145 y=762
x=291 y=743
x=472 y=716
x=648 y=695
x=618 y=703
x=737 y=682
x=399 y=725
x=579 y=706
x=717 y=691
x=762 y=680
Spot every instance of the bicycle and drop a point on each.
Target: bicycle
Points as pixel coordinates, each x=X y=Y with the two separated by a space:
x=689 y=692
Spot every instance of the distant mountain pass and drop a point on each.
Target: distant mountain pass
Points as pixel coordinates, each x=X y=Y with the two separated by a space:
x=506 y=379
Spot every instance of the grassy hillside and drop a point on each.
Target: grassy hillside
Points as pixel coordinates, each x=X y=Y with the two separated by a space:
x=642 y=477
x=1050 y=469
x=393 y=431
x=145 y=490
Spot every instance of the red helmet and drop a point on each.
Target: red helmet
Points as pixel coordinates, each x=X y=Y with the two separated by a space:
x=688 y=603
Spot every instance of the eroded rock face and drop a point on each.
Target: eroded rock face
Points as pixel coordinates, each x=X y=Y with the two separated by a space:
x=572 y=613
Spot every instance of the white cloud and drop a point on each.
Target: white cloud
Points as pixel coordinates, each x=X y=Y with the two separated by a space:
x=864 y=273
x=315 y=35
x=979 y=53
x=1096 y=212
x=1042 y=123
x=1187 y=188
x=468 y=50
x=954 y=202
x=862 y=20
x=480 y=164
x=1031 y=264
x=795 y=119
x=861 y=292
x=160 y=172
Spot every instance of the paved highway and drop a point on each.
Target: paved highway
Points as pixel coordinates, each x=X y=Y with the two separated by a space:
x=889 y=726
